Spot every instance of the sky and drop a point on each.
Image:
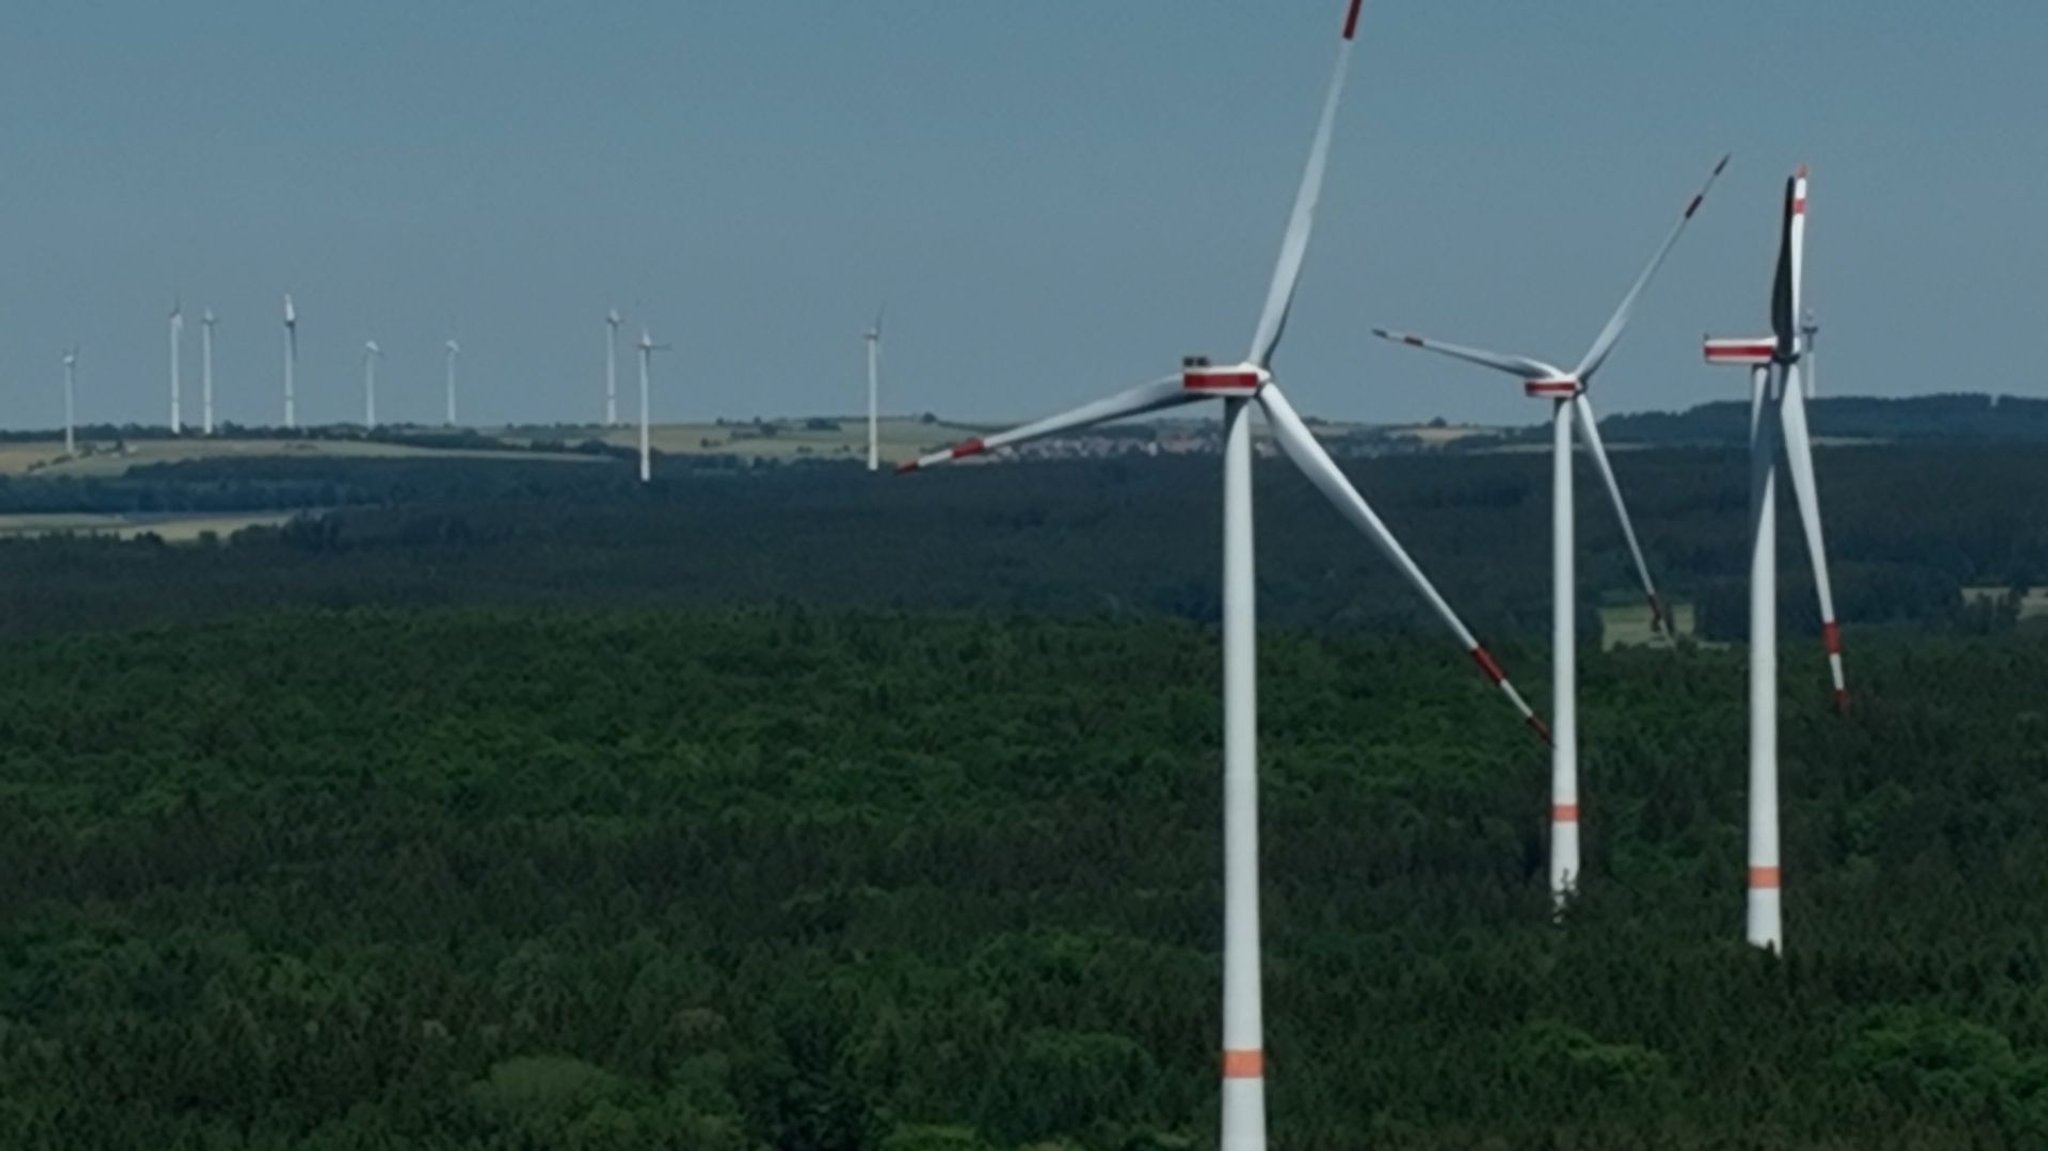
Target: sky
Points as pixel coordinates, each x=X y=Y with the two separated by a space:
x=1057 y=199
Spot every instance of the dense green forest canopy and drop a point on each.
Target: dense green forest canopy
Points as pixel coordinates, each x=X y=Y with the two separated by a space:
x=1908 y=528
x=782 y=878
x=502 y=804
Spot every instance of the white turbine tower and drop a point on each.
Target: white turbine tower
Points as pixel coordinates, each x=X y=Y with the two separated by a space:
x=206 y=322
x=291 y=362
x=874 y=340
x=647 y=349
x=611 y=368
x=371 y=354
x=70 y=401
x=177 y=358
x=1240 y=387
x=454 y=350
x=1775 y=363
x=1566 y=392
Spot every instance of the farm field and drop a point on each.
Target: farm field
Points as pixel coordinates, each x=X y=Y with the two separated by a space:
x=102 y=458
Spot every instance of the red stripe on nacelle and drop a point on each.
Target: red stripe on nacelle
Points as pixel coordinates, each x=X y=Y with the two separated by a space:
x=973 y=447
x=1209 y=381
x=1740 y=351
x=1831 y=636
x=1550 y=387
x=1351 y=21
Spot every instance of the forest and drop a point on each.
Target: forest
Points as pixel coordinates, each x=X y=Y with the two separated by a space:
x=507 y=805
x=1908 y=527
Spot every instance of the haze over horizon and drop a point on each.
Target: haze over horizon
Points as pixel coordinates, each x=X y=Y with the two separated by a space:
x=1056 y=199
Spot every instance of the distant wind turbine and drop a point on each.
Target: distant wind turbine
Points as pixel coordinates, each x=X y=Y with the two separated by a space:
x=454 y=350
x=611 y=368
x=874 y=338
x=70 y=391
x=291 y=362
x=371 y=354
x=206 y=322
x=647 y=349
x=177 y=357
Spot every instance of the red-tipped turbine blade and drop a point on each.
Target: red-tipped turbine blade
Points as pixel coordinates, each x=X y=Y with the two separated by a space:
x=1603 y=344
x=1785 y=292
x=1155 y=396
x=1301 y=446
x=1294 y=245
x=1589 y=430
x=1799 y=454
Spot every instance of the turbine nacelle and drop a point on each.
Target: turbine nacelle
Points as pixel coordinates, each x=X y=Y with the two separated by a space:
x=1746 y=352
x=1554 y=388
x=1198 y=375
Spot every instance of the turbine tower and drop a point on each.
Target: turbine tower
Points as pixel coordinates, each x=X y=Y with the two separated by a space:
x=647 y=349
x=1242 y=386
x=206 y=322
x=70 y=394
x=611 y=368
x=1566 y=392
x=291 y=362
x=874 y=340
x=1775 y=364
x=371 y=354
x=454 y=350
x=177 y=356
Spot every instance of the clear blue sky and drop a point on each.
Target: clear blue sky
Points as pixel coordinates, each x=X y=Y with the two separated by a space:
x=1058 y=198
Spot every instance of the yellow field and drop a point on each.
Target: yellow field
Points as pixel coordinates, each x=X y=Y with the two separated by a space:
x=1629 y=626
x=900 y=438
x=101 y=459
x=172 y=529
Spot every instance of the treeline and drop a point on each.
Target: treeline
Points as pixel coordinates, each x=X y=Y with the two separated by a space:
x=1908 y=527
x=791 y=880
x=1953 y=418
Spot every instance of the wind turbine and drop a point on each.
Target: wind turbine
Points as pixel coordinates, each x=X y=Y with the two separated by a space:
x=70 y=393
x=206 y=322
x=1774 y=364
x=647 y=349
x=291 y=361
x=1240 y=387
x=371 y=354
x=874 y=339
x=1566 y=391
x=177 y=356
x=611 y=368
x=454 y=350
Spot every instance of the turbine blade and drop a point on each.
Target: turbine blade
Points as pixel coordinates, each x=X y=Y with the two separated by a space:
x=1156 y=396
x=1785 y=310
x=1521 y=367
x=1589 y=428
x=1308 y=455
x=1604 y=343
x=1799 y=454
x=1294 y=246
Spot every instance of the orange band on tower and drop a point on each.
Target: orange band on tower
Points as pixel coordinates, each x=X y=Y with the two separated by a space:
x=1564 y=813
x=1244 y=1064
x=1765 y=877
